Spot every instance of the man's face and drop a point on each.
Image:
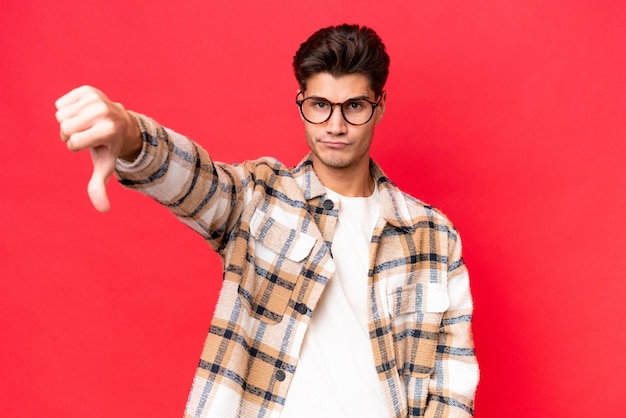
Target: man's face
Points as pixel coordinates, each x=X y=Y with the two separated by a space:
x=336 y=144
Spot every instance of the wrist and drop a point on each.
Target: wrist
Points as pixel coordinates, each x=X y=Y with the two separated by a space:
x=132 y=142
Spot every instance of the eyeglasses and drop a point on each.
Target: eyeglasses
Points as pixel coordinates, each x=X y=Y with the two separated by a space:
x=318 y=110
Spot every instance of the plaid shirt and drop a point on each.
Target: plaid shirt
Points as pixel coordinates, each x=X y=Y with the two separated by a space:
x=273 y=228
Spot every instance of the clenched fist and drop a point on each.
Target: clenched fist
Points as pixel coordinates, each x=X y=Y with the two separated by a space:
x=89 y=120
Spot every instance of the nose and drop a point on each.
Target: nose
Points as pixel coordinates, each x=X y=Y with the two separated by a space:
x=336 y=124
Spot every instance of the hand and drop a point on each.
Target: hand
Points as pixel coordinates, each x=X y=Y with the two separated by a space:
x=89 y=120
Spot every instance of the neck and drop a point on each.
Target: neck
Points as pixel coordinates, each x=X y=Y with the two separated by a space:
x=349 y=182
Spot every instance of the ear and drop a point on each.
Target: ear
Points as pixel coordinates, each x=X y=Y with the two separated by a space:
x=380 y=109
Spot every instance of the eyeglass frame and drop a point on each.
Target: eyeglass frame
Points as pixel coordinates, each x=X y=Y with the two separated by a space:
x=332 y=108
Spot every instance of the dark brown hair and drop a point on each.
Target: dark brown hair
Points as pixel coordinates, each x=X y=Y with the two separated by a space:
x=342 y=50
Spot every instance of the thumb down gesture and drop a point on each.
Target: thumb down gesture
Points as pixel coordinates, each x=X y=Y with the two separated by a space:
x=89 y=120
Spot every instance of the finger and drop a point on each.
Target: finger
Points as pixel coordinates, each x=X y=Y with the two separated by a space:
x=74 y=118
x=78 y=134
x=103 y=166
x=75 y=96
x=98 y=194
x=77 y=101
x=69 y=100
x=69 y=110
x=87 y=129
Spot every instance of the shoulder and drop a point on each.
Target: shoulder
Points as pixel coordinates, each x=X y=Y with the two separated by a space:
x=419 y=208
x=410 y=213
x=403 y=209
x=262 y=164
x=261 y=169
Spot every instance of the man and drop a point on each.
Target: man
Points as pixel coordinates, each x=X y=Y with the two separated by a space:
x=341 y=295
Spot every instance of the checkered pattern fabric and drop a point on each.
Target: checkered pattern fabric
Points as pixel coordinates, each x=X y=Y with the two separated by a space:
x=273 y=227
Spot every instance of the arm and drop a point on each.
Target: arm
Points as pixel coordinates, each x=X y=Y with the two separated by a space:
x=179 y=174
x=147 y=157
x=453 y=383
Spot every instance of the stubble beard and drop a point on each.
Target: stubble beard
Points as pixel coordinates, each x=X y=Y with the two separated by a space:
x=339 y=161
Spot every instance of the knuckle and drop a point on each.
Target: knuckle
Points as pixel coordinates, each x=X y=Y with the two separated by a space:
x=72 y=146
x=99 y=109
x=65 y=126
x=111 y=127
x=85 y=88
x=90 y=95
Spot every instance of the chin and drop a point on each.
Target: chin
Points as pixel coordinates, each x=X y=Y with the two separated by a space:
x=337 y=162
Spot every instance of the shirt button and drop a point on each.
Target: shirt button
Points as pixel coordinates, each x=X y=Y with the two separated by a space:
x=280 y=375
x=302 y=308
x=328 y=204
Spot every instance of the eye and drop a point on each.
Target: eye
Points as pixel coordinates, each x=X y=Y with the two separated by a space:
x=355 y=105
x=319 y=104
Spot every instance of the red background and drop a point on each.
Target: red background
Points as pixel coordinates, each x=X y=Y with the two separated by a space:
x=508 y=115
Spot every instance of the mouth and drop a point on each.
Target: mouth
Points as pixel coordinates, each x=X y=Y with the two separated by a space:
x=333 y=144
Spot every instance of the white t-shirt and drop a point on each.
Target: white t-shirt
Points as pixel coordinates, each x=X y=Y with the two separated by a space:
x=336 y=376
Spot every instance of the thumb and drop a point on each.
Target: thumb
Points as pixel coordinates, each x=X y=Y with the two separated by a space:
x=103 y=166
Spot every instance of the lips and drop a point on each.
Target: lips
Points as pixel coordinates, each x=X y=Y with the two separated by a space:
x=334 y=144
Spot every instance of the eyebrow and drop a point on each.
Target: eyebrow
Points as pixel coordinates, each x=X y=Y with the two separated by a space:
x=361 y=97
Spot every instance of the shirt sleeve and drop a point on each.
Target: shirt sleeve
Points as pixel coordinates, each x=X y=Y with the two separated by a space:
x=454 y=380
x=179 y=174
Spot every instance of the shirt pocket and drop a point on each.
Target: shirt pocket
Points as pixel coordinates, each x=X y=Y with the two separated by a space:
x=276 y=257
x=416 y=312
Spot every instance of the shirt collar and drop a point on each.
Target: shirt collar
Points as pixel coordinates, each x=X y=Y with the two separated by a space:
x=393 y=202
